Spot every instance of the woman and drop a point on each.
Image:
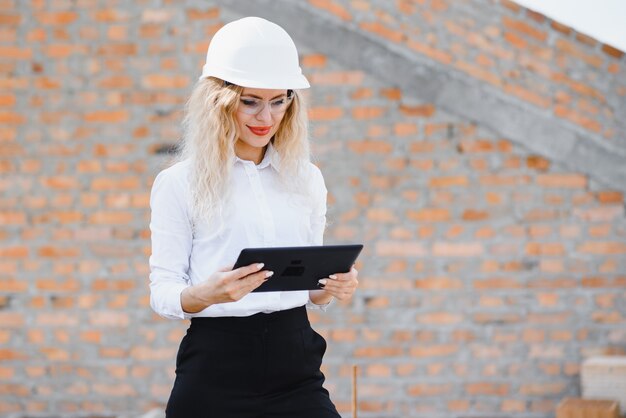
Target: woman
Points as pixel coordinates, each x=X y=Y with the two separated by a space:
x=243 y=179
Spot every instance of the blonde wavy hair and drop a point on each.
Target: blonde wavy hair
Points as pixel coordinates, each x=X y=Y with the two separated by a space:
x=208 y=141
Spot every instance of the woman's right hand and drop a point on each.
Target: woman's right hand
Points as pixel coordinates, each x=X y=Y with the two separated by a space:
x=225 y=285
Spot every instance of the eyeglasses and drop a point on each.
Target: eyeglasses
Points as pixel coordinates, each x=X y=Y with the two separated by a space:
x=254 y=106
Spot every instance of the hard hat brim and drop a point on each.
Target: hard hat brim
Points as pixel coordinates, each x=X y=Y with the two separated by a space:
x=296 y=83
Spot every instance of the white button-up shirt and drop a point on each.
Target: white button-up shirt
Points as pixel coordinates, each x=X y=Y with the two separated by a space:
x=259 y=214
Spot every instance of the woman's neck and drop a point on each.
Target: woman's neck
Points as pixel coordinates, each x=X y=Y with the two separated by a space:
x=249 y=153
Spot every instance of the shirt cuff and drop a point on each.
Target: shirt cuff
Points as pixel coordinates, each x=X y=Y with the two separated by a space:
x=322 y=308
x=174 y=304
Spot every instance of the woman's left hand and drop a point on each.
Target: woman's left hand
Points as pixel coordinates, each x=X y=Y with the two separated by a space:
x=341 y=285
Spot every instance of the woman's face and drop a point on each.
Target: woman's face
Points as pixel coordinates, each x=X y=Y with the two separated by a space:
x=258 y=116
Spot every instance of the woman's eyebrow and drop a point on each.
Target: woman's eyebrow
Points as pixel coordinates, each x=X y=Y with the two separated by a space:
x=259 y=97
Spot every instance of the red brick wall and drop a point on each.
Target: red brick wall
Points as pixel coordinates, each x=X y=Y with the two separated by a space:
x=489 y=271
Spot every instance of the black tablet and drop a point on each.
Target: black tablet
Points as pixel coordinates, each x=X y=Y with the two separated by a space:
x=299 y=268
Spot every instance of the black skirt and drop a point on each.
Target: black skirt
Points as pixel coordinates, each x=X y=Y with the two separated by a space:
x=264 y=365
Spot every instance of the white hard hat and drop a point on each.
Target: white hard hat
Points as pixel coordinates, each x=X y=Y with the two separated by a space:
x=256 y=53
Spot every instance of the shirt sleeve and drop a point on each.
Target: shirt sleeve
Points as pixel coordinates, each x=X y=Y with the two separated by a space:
x=171 y=236
x=318 y=220
x=318 y=216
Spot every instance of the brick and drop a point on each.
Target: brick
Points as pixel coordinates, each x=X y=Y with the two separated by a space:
x=441 y=350
x=577 y=87
x=511 y=5
x=12 y=218
x=438 y=283
x=383 y=31
x=430 y=51
x=429 y=389
x=343 y=335
x=369 y=112
x=325 y=113
x=332 y=7
x=162 y=81
x=405 y=129
x=106 y=116
x=547 y=299
x=378 y=370
x=602 y=247
x=376 y=130
x=12 y=118
x=599 y=214
x=559 y=27
x=117 y=50
x=458 y=405
x=477 y=145
x=425 y=110
x=197 y=14
x=537 y=162
x=362 y=93
x=542 y=389
x=55 y=354
x=572 y=181
x=515 y=40
x=354 y=78
x=15 y=53
x=61 y=18
x=495 y=318
x=378 y=352
x=487 y=388
x=439 y=318
x=573 y=50
x=524 y=28
x=67 y=285
x=610 y=196
x=474 y=215
x=115 y=390
x=429 y=215
x=422 y=147
x=399 y=249
x=528 y=95
x=111 y=218
x=496 y=283
x=612 y=52
x=381 y=215
x=314 y=60
x=448 y=181
x=107 y=183
x=612 y=317
x=513 y=405
x=116 y=285
x=549 y=249
x=446 y=249
x=57 y=319
x=391 y=93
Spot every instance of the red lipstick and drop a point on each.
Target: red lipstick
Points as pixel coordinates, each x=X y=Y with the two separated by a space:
x=260 y=130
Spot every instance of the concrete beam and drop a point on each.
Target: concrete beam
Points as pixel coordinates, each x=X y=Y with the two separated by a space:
x=454 y=92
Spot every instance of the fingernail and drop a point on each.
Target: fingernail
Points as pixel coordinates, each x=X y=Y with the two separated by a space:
x=322 y=285
x=260 y=266
x=332 y=276
x=269 y=273
x=322 y=282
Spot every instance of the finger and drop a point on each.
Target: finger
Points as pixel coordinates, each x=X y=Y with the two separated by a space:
x=245 y=271
x=341 y=295
x=252 y=281
x=336 y=285
x=344 y=276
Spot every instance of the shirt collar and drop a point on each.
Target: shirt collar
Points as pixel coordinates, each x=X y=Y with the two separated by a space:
x=271 y=157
